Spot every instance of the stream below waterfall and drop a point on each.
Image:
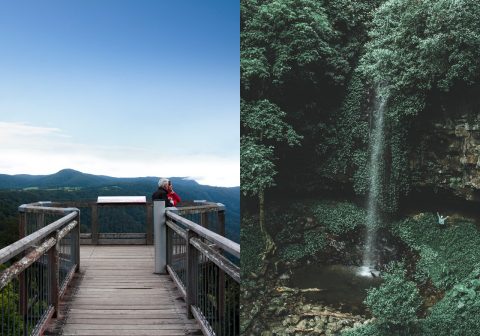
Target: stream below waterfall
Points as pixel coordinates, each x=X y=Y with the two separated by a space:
x=341 y=282
x=340 y=286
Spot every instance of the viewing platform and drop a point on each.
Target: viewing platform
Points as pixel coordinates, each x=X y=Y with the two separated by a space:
x=186 y=283
x=118 y=294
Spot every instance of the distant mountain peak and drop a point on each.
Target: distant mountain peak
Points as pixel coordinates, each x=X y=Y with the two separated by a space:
x=73 y=178
x=68 y=171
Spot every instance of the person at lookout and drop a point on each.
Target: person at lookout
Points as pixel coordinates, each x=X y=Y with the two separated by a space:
x=172 y=195
x=441 y=219
x=162 y=193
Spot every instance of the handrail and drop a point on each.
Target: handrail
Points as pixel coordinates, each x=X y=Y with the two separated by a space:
x=144 y=235
x=223 y=263
x=44 y=209
x=30 y=288
x=217 y=239
x=178 y=230
x=198 y=264
x=25 y=262
x=21 y=245
x=195 y=209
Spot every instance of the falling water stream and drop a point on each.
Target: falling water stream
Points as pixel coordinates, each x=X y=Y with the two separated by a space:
x=375 y=184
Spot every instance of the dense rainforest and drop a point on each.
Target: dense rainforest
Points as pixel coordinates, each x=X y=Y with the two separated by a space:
x=350 y=108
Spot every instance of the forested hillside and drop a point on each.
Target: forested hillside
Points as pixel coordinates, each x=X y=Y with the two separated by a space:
x=350 y=108
x=71 y=185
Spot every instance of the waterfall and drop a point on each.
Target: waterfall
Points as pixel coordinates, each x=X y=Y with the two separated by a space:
x=375 y=182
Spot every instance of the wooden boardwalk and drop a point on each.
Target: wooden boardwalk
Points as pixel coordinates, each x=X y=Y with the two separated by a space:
x=118 y=294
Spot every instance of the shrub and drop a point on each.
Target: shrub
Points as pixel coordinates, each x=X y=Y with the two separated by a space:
x=396 y=302
x=339 y=217
x=364 y=330
x=447 y=255
x=252 y=246
x=458 y=313
x=313 y=242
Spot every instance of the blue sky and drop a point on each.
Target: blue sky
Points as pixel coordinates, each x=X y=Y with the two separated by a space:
x=121 y=88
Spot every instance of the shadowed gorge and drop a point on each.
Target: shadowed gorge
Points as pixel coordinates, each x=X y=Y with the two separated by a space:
x=373 y=133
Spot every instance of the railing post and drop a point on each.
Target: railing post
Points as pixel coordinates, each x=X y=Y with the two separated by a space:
x=204 y=219
x=221 y=273
x=76 y=244
x=22 y=222
x=53 y=262
x=40 y=220
x=192 y=266
x=149 y=224
x=221 y=219
x=160 y=236
x=94 y=228
x=22 y=289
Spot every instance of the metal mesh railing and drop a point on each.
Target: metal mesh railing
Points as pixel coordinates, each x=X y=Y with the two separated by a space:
x=216 y=298
x=12 y=322
x=197 y=261
x=211 y=217
x=37 y=268
x=34 y=221
x=27 y=299
x=66 y=262
x=122 y=219
x=177 y=255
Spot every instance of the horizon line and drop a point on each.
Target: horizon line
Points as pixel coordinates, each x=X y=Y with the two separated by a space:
x=192 y=178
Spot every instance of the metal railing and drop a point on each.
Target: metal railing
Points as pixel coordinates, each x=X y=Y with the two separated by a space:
x=41 y=264
x=204 y=266
x=129 y=231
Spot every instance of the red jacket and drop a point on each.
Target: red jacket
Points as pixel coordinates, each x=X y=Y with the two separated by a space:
x=174 y=198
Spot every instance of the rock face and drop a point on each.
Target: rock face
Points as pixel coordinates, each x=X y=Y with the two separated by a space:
x=447 y=156
x=313 y=320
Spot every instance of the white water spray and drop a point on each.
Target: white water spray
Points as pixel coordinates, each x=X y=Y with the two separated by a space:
x=375 y=184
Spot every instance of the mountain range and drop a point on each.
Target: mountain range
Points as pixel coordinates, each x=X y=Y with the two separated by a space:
x=69 y=184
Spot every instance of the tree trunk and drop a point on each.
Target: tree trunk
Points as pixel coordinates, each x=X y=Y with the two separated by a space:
x=269 y=244
x=261 y=198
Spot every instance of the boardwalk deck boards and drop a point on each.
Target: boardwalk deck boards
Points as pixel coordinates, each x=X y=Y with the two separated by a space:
x=118 y=294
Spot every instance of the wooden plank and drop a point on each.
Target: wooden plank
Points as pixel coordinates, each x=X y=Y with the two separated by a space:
x=130 y=314
x=85 y=241
x=117 y=322
x=125 y=300
x=165 y=326
x=142 y=306
x=148 y=311
x=121 y=235
x=122 y=241
x=119 y=332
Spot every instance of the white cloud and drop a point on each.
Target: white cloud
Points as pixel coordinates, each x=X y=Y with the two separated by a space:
x=28 y=149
